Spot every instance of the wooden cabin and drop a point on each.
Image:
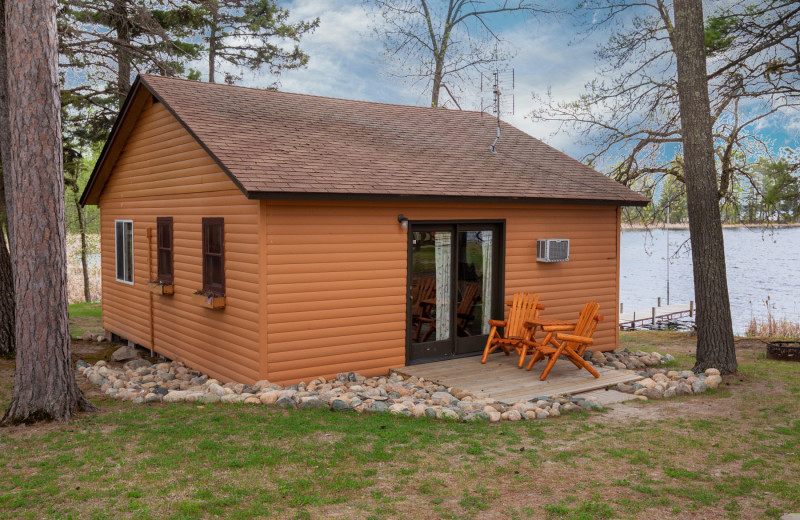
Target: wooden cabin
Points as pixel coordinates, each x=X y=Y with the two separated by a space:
x=255 y=234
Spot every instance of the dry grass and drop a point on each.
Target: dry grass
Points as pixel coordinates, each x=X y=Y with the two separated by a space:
x=772 y=328
x=75 y=270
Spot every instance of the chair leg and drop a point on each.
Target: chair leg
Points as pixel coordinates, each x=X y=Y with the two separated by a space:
x=537 y=356
x=488 y=350
x=552 y=362
x=580 y=362
x=431 y=328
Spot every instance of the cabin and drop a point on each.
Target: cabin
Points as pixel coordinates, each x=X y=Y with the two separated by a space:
x=255 y=234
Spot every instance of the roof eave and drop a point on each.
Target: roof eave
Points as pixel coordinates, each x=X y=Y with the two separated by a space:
x=388 y=197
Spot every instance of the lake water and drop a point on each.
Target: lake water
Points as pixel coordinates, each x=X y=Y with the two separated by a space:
x=761 y=263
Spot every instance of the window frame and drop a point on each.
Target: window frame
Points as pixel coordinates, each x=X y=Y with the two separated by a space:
x=163 y=276
x=209 y=288
x=117 y=239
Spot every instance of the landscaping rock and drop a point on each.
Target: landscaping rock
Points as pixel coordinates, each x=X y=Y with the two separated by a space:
x=713 y=380
x=210 y=398
x=699 y=387
x=136 y=364
x=125 y=353
x=175 y=397
x=285 y=402
x=340 y=406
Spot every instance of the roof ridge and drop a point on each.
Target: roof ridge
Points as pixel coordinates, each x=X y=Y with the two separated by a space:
x=301 y=94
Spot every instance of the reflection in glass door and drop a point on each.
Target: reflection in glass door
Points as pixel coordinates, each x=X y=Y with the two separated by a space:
x=453 y=288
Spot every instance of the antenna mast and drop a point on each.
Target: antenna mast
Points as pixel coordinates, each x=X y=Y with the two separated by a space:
x=500 y=80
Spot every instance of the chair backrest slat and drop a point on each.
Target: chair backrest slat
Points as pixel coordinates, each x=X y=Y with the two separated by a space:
x=587 y=323
x=524 y=307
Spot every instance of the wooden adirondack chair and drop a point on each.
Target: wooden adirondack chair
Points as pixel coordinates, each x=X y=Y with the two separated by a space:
x=464 y=312
x=424 y=288
x=571 y=345
x=464 y=315
x=523 y=308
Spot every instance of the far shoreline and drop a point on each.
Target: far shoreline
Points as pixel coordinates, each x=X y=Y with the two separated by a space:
x=685 y=225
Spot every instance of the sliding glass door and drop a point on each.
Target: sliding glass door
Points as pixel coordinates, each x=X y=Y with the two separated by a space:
x=455 y=287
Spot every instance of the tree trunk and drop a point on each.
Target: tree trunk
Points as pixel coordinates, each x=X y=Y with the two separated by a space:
x=122 y=28
x=437 y=82
x=212 y=41
x=715 y=347
x=87 y=292
x=44 y=381
x=6 y=273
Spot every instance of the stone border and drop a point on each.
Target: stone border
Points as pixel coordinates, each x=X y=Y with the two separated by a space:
x=139 y=381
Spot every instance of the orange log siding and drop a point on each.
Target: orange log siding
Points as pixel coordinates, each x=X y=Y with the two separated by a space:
x=313 y=288
x=163 y=172
x=336 y=277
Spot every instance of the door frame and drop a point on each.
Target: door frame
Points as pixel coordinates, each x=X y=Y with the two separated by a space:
x=498 y=291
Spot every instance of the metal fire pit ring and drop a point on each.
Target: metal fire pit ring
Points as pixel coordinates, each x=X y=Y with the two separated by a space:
x=785 y=350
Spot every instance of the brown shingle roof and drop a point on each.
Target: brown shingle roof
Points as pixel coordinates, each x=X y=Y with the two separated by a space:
x=275 y=143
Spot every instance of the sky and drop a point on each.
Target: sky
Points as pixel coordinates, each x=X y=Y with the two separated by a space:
x=549 y=54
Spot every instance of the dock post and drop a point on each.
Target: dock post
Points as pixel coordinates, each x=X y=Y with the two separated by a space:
x=620 y=307
x=691 y=308
x=654 y=315
x=659 y=301
x=633 y=323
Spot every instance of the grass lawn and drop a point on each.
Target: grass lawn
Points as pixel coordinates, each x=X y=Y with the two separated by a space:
x=733 y=453
x=83 y=317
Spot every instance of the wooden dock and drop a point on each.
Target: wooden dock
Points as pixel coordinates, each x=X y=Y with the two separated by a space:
x=500 y=378
x=654 y=315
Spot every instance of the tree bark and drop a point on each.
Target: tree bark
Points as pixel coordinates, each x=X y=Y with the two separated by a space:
x=715 y=347
x=44 y=381
x=76 y=200
x=6 y=273
x=437 y=82
x=122 y=28
x=212 y=43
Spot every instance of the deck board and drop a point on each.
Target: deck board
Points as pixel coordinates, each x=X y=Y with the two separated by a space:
x=500 y=378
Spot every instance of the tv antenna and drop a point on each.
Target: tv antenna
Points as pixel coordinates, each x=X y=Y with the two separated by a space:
x=497 y=82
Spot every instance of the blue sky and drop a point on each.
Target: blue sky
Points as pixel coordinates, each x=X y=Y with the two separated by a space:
x=346 y=61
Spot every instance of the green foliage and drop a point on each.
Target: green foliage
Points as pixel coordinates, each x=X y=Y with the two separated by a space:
x=719 y=32
x=249 y=34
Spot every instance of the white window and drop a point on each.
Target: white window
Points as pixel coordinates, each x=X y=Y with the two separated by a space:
x=124 y=250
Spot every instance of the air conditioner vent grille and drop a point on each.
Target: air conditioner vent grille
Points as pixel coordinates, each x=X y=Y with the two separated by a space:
x=552 y=250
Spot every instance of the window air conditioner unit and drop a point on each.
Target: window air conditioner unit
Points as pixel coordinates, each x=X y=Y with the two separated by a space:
x=552 y=250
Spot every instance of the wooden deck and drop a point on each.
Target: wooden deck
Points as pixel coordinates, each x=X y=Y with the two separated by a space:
x=500 y=378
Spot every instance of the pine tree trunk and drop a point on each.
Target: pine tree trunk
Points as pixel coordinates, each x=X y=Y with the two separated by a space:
x=87 y=293
x=120 y=11
x=212 y=42
x=44 y=381
x=715 y=347
x=6 y=273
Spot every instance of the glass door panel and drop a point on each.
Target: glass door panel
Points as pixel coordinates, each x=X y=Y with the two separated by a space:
x=431 y=293
x=474 y=282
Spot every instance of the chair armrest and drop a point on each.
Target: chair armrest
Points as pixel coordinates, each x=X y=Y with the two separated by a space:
x=497 y=323
x=540 y=306
x=576 y=339
x=559 y=328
